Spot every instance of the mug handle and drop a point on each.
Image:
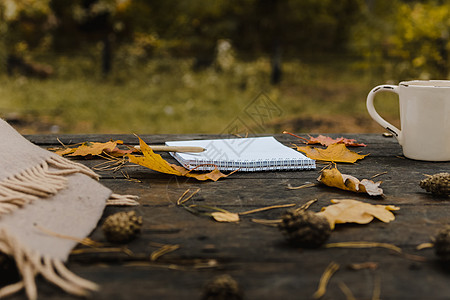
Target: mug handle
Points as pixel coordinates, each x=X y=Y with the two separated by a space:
x=374 y=114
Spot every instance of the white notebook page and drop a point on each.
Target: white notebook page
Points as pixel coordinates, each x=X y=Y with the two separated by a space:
x=245 y=154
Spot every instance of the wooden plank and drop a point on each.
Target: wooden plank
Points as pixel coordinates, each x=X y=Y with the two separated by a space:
x=49 y=139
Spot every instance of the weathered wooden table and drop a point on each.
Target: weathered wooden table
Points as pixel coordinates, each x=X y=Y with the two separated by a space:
x=258 y=256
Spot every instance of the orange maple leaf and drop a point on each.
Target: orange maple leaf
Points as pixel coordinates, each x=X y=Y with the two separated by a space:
x=327 y=141
x=333 y=153
x=155 y=162
x=95 y=148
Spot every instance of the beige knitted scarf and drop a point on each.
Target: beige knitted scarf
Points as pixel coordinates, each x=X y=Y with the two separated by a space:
x=41 y=190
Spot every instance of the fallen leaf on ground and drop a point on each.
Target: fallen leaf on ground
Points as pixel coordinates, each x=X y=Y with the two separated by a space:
x=353 y=211
x=94 y=149
x=333 y=153
x=327 y=141
x=218 y=214
x=332 y=177
x=155 y=162
x=225 y=216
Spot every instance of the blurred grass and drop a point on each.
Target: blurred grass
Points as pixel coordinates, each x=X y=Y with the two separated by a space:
x=166 y=96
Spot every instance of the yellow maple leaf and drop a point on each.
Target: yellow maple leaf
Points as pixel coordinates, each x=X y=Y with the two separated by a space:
x=334 y=178
x=155 y=162
x=353 y=211
x=333 y=153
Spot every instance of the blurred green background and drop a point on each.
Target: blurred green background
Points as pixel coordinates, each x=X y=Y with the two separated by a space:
x=197 y=66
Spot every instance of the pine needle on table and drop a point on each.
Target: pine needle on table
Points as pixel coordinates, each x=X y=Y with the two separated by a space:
x=326 y=276
x=364 y=245
x=164 y=249
x=182 y=200
x=290 y=187
x=266 y=208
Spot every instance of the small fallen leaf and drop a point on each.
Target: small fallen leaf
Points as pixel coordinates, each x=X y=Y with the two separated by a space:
x=333 y=153
x=225 y=216
x=155 y=162
x=218 y=214
x=353 y=211
x=214 y=175
x=332 y=177
x=327 y=141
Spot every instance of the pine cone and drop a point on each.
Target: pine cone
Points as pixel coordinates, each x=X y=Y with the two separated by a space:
x=437 y=184
x=222 y=287
x=442 y=244
x=305 y=229
x=122 y=227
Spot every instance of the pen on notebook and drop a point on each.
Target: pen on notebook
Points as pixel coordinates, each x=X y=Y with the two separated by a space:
x=175 y=148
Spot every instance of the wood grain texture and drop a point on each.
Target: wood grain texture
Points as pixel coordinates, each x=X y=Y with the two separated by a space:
x=257 y=256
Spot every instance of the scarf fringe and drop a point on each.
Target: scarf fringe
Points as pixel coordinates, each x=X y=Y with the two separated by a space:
x=38 y=182
x=30 y=264
x=122 y=200
x=68 y=167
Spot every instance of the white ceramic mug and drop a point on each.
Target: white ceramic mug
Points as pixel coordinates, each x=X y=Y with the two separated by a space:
x=424 y=118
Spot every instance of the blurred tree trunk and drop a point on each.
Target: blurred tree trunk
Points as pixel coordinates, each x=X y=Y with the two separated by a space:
x=276 y=74
x=107 y=54
x=276 y=32
x=97 y=26
x=3 y=33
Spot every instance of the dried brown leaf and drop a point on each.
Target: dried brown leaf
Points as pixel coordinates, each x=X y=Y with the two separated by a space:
x=222 y=216
x=353 y=211
x=332 y=177
x=326 y=140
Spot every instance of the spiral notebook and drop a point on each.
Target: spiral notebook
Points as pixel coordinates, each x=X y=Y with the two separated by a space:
x=245 y=154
